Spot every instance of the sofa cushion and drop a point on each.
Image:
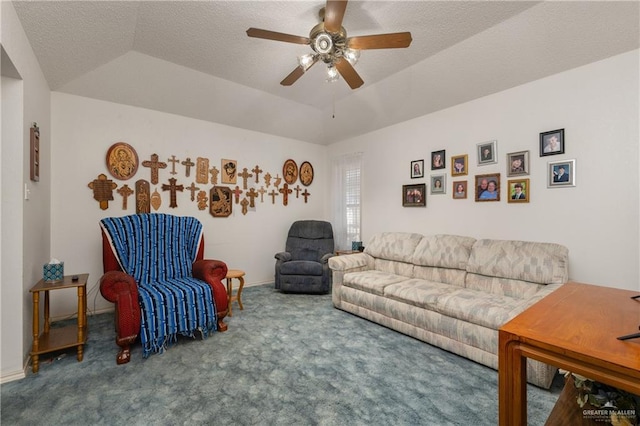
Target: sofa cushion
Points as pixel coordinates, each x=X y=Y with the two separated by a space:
x=416 y=292
x=301 y=267
x=371 y=281
x=542 y=263
x=445 y=251
x=488 y=310
x=398 y=246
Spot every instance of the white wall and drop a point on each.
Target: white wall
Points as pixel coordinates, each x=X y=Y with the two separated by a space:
x=84 y=129
x=597 y=220
x=25 y=228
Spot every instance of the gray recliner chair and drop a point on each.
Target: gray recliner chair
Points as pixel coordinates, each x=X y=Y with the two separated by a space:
x=303 y=267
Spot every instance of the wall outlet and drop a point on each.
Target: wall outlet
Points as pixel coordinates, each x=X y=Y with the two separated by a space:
x=27 y=191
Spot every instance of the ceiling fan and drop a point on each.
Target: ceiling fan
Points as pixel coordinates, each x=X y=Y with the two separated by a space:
x=331 y=45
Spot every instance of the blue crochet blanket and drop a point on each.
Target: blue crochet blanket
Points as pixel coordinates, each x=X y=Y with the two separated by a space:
x=158 y=250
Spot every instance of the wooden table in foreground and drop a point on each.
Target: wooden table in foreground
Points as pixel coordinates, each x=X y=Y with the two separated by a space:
x=574 y=328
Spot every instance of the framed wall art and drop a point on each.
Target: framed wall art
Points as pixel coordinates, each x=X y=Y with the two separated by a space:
x=460 y=190
x=306 y=173
x=122 y=161
x=438 y=160
x=459 y=165
x=488 y=187
x=438 y=184
x=417 y=169
x=518 y=163
x=34 y=152
x=561 y=173
x=487 y=152
x=518 y=191
x=414 y=195
x=221 y=204
x=290 y=171
x=552 y=142
x=229 y=171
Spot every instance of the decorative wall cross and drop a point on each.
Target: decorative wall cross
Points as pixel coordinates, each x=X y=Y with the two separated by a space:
x=267 y=179
x=214 y=175
x=262 y=191
x=172 y=188
x=257 y=170
x=285 y=191
x=188 y=164
x=143 y=197
x=125 y=191
x=244 y=204
x=103 y=190
x=245 y=175
x=236 y=192
x=297 y=189
x=277 y=182
x=154 y=165
x=251 y=194
x=202 y=200
x=173 y=160
x=273 y=195
x=306 y=194
x=193 y=188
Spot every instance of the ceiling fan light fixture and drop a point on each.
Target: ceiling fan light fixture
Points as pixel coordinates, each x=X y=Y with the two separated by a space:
x=332 y=74
x=323 y=44
x=305 y=61
x=352 y=55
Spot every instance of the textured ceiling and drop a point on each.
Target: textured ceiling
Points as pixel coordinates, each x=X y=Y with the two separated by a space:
x=195 y=59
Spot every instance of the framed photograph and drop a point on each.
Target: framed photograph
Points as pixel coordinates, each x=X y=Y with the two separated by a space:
x=414 y=195
x=487 y=153
x=438 y=184
x=460 y=190
x=518 y=191
x=417 y=169
x=561 y=173
x=459 y=165
x=552 y=143
x=438 y=160
x=518 y=163
x=488 y=187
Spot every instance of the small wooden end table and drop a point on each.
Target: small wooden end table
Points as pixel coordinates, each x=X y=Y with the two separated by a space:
x=239 y=275
x=55 y=339
x=575 y=328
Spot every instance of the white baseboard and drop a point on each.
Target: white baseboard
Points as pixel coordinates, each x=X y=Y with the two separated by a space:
x=15 y=375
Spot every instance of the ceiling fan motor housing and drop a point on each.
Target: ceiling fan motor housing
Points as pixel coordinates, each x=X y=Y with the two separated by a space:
x=330 y=46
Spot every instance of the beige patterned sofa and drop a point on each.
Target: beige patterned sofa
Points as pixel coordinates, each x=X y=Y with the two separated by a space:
x=450 y=291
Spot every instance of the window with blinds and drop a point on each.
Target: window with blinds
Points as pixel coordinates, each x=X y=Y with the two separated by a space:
x=347 y=202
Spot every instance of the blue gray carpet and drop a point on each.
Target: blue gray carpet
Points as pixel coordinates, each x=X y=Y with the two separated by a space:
x=285 y=360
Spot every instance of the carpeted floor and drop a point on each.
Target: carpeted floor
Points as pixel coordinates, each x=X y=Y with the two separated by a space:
x=285 y=360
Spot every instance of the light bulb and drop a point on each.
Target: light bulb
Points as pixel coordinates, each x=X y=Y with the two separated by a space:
x=352 y=56
x=305 y=61
x=332 y=74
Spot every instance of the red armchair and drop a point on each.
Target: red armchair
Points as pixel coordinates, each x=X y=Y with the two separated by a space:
x=121 y=289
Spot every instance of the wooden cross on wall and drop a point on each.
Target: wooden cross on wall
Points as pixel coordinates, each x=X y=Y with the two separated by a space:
x=267 y=179
x=285 y=191
x=297 y=189
x=306 y=194
x=273 y=195
x=173 y=160
x=214 y=175
x=172 y=188
x=154 y=165
x=236 y=192
x=262 y=191
x=251 y=194
x=188 y=164
x=125 y=191
x=257 y=170
x=103 y=190
x=244 y=204
x=193 y=188
x=245 y=175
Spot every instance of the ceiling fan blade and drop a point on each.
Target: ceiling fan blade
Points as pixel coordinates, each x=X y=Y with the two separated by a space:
x=333 y=15
x=380 y=41
x=297 y=73
x=349 y=74
x=272 y=35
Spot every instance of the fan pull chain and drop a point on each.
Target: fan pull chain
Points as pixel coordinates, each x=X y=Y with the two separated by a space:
x=333 y=101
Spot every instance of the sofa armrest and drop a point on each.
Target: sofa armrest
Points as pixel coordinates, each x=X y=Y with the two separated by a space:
x=121 y=289
x=213 y=272
x=326 y=257
x=283 y=256
x=348 y=262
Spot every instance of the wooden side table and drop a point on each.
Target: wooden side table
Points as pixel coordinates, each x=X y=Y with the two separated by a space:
x=55 y=339
x=234 y=273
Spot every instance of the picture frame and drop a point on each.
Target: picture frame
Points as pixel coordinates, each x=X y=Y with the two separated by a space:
x=518 y=163
x=487 y=187
x=229 y=171
x=438 y=159
x=417 y=169
x=414 y=195
x=518 y=191
x=438 y=184
x=306 y=173
x=487 y=152
x=122 y=161
x=290 y=171
x=221 y=204
x=459 y=190
x=459 y=165
x=552 y=142
x=561 y=173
